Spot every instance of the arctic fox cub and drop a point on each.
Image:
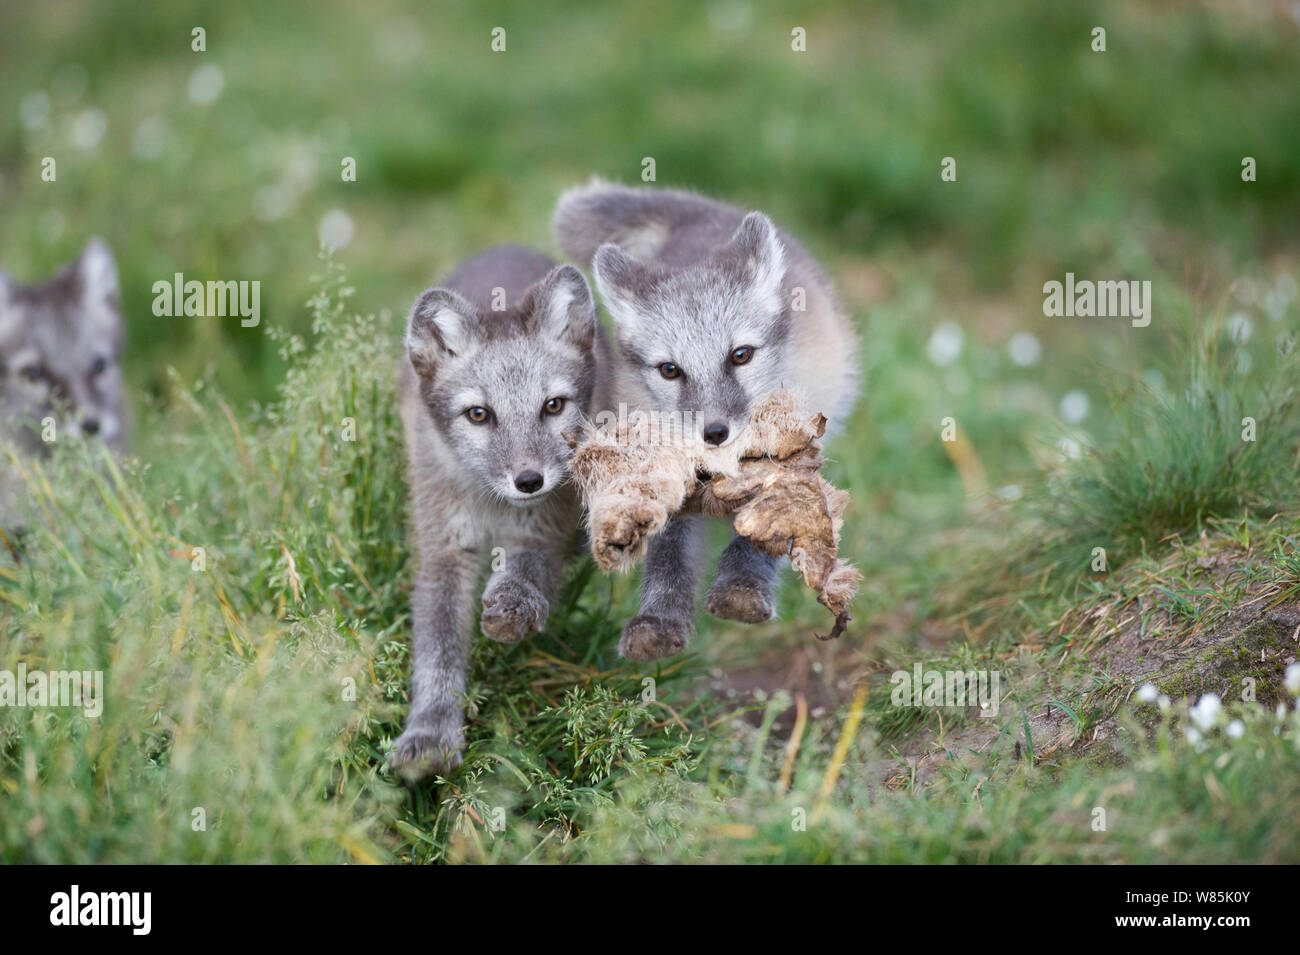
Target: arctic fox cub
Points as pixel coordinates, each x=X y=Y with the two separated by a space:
x=500 y=363
x=60 y=360
x=712 y=309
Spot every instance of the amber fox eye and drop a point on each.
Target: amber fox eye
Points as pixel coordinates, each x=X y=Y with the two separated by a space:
x=742 y=355
x=554 y=406
x=669 y=370
x=478 y=414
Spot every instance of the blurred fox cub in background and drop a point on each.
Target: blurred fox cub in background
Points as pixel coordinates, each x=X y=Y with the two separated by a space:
x=712 y=310
x=486 y=397
x=60 y=362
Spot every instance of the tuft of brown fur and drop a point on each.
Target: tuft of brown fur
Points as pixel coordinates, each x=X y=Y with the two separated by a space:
x=769 y=478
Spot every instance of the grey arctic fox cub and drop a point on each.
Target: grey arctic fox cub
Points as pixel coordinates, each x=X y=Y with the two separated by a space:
x=712 y=309
x=486 y=397
x=61 y=346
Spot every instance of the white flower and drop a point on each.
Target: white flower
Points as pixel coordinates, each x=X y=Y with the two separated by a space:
x=206 y=83
x=945 y=343
x=1163 y=702
x=336 y=229
x=1193 y=735
x=1074 y=406
x=1024 y=349
x=1291 y=679
x=1206 y=712
x=1236 y=729
x=1147 y=693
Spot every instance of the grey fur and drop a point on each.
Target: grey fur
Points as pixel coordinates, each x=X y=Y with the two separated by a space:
x=61 y=345
x=688 y=280
x=462 y=354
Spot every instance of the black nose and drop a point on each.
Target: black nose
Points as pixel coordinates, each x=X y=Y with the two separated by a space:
x=715 y=433
x=90 y=426
x=529 y=481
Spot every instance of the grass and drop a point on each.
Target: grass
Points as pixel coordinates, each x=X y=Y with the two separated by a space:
x=261 y=679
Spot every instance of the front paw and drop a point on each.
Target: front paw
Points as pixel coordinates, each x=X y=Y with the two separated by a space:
x=621 y=528
x=650 y=638
x=420 y=752
x=512 y=609
x=740 y=598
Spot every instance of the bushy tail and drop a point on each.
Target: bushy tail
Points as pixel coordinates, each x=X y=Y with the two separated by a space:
x=588 y=216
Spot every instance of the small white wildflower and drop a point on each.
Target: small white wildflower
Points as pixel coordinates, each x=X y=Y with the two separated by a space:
x=206 y=83
x=1074 y=406
x=1236 y=729
x=1206 y=712
x=945 y=343
x=1291 y=679
x=1163 y=702
x=1193 y=736
x=1147 y=693
x=1024 y=349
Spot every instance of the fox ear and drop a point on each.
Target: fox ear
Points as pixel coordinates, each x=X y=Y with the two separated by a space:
x=759 y=247
x=97 y=273
x=564 y=308
x=622 y=281
x=442 y=324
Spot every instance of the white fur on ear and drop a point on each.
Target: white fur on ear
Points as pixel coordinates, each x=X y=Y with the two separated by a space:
x=565 y=307
x=97 y=271
x=442 y=323
x=759 y=244
x=618 y=277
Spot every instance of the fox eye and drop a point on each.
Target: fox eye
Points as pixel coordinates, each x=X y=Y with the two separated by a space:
x=669 y=370
x=98 y=366
x=554 y=406
x=478 y=414
x=31 y=372
x=742 y=355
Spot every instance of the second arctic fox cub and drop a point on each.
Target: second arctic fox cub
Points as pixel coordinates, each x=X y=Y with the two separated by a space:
x=712 y=309
x=500 y=363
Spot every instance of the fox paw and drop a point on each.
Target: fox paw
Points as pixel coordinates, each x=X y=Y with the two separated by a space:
x=740 y=599
x=621 y=531
x=650 y=638
x=422 y=752
x=513 y=609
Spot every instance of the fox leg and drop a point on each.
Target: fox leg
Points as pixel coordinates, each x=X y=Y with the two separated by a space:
x=742 y=589
x=517 y=599
x=667 y=617
x=442 y=615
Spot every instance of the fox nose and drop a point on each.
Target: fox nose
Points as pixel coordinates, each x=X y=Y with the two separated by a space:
x=715 y=433
x=529 y=481
x=90 y=426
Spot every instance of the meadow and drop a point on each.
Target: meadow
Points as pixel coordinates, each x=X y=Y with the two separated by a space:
x=242 y=577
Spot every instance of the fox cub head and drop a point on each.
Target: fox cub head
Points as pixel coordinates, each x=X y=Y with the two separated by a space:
x=705 y=341
x=503 y=387
x=60 y=352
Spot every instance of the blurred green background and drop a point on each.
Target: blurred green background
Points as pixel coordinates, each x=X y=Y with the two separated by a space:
x=225 y=164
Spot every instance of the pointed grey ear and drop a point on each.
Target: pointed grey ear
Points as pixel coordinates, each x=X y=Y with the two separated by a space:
x=442 y=324
x=623 y=282
x=759 y=246
x=564 y=308
x=97 y=273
